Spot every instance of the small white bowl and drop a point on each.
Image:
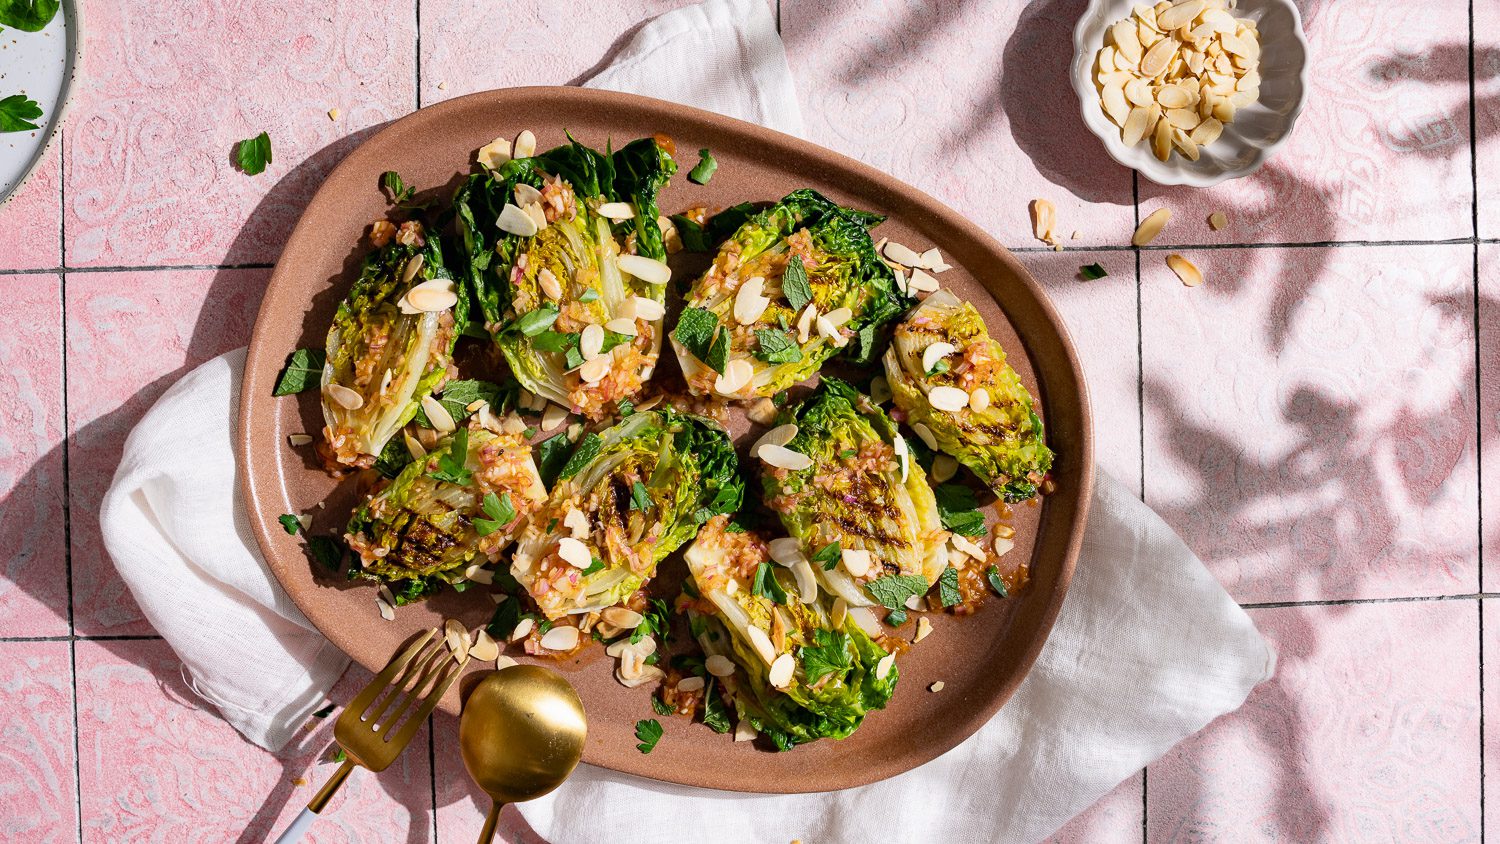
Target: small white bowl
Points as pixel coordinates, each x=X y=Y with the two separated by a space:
x=1257 y=130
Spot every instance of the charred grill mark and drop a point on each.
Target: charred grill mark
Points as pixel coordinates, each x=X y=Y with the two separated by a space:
x=868 y=502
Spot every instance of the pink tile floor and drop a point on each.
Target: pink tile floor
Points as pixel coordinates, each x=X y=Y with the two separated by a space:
x=1319 y=420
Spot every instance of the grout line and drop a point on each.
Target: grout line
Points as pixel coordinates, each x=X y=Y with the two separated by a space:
x=1140 y=408
x=67 y=484
x=1478 y=411
x=419 y=53
x=1480 y=606
x=1272 y=605
x=125 y=269
x=137 y=638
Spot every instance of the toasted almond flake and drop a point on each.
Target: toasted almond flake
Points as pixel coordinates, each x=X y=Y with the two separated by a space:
x=1155 y=61
x=430 y=300
x=1185 y=144
x=1043 y=220
x=1136 y=125
x=574 y=553
x=513 y=220
x=804 y=322
x=1237 y=46
x=731 y=587
x=916 y=603
x=537 y=215
x=826 y=329
x=1207 y=132
x=880 y=390
x=622 y=617
x=692 y=683
x=1005 y=530
x=1172 y=96
x=921 y=282
x=924 y=629
x=749 y=304
x=526 y=195
x=522 y=629
x=762 y=643
x=1191 y=276
x=646 y=269
x=807 y=582
x=1241 y=99
x=454 y=631
x=494 y=154
x=512 y=424
x=902 y=254
x=438 y=415
x=1181 y=14
x=780 y=675
x=1161 y=140
x=503 y=662
x=576 y=522
x=479 y=574
x=782 y=457
x=785 y=550
x=883 y=666
x=779 y=435
x=934 y=353
x=745 y=731
x=617 y=211
x=1151 y=226
x=856 y=561
x=649 y=310
x=1138 y=93
x=1112 y=100
x=413 y=447
x=948 y=399
x=719 y=665
x=1003 y=545
x=561 y=638
x=554 y=416
x=551 y=287
x=979 y=400
x=525 y=145
x=944 y=468
x=967 y=546
x=925 y=435
x=932 y=259
x=1217 y=220
x=903 y=453
x=386 y=611
x=737 y=373
x=485 y=648
x=344 y=397
x=622 y=326
x=762 y=412
x=936 y=687
x=298 y=439
x=593 y=371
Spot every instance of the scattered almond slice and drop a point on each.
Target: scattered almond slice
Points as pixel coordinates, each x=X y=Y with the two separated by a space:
x=1044 y=221
x=904 y=255
x=924 y=629
x=298 y=439
x=525 y=145
x=561 y=638
x=348 y=399
x=1151 y=226
x=1217 y=220
x=1191 y=276
x=333 y=113
x=936 y=687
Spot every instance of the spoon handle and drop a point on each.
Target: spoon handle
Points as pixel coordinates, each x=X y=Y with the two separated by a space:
x=487 y=834
x=305 y=820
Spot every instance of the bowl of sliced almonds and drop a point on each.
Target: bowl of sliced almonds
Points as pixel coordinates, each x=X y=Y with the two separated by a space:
x=1190 y=92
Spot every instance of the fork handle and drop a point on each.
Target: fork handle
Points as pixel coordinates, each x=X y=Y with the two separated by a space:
x=487 y=834
x=305 y=819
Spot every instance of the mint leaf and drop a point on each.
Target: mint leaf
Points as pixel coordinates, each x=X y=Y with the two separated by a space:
x=503 y=622
x=555 y=341
x=552 y=455
x=776 y=347
x=896 y=617
x=718 y=353
x=959 y=510
x=702 y=172
x=948 y=593
x=329 y=552
x=253 y=154
x=303 y=371
x=1092 y=271
x=16 y=113
x=828 y=555
x=893 y=590
x=794 y=284
x=696 y=330
x=587 y=450
x=997 y=583
x=500 y=511
x=714 y=714
x=535 y=321
x=639 y=498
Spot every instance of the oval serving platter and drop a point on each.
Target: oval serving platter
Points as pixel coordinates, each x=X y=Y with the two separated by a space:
x=981 y=659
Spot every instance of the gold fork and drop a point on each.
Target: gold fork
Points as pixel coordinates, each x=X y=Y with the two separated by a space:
x=373 y=741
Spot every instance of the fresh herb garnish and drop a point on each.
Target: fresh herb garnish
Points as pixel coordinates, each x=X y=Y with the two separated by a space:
x=1092 y=271
x=458 y=395
x=325 y=711
x=589 y=295
x=828 y=555
x=714 y=714
x=660 y=706
x=948 y=593
x=329 y=552
x=451 y=462
x=500 y=511
x=596 y=565
x=535 y=321
x=555 y=341
x=794 y=284
x=394 y=457
x=698 y=332
x=828 y=655
x=731 y=527
x=16 y=113
x=338 y=754
x=402 y=194
x=938 y=368
x=303 y=371
x=625 y=407
x=959 y=510
x=28 y=15
x=896 y=617
x=503 y=622
x=639 y=498
x=776 y=347
x=551 y=456
x=893 y=589
x=289 y=523
x=587 y=450
x=997 y=583
x=656 y=618
x=704 y=169
x=765 y=584
x=253 y=154
x=648 y=732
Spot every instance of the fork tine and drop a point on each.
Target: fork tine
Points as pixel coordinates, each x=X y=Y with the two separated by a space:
x=419 y=717
x=382 y=680
x=415 y=693
x=418 y=669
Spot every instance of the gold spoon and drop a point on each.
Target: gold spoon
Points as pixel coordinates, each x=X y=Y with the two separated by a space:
x=521 y=734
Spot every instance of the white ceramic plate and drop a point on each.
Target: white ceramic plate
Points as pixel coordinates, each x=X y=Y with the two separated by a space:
x=40 y=65
x=1257 y=130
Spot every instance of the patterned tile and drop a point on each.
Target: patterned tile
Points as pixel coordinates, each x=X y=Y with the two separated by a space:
x=967 y=101
x=158 y=763
x=31 y=219
x=1381 y=150
x=1489 y=409
x=1114 y=819
x=1491 y=610
x=1101 y=317
x=1487 y=114
x=37 y=781
x=33 y=546
x=1366 y=733
x=130 y=336
x=561 y=44
x=168 y=88
x=1309 y=418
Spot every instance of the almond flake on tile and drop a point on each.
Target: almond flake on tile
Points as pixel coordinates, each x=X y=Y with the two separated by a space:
x=1217 y=220
x=1151 y=226
x=1191 y=276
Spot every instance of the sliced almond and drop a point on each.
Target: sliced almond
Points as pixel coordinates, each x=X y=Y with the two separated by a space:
x=737 y=374
x=1184 y=144
x=458 y=637
x=1043 y=220
x=622 y=617
x=554 y=416
x=621 y=325
x=1151 y=226
x=1223 y=110
x=762 y=412
x=936 y=687
x=1172 y=96
x=485 y=648
x=646 y=269
x=762 y=643
x=593 y=371
x=1191 y=276
x=649 y=310
x=527 y=195
x=1155 y=61
x=1138 y=93
x=1161 y=140
x=563 y=637
x=880 y=390
x=921 y=282
x=1137 y=124
x=577 y=523
x=779 y=435
x=967 y=546
x=856 y=561
x=719 y=665
x=1217 y=220
x=479 y=574
x=745 y=731
x=1003 y=545
x=431 y=300
x=386 y=611
x=924 y=629
x=494 y=154
x=944 y=468
x=413 y=447
x=438 y=415
x=948 y=399
x=786 y=550
x=780 y=675
x=749 y=304
x=883 y=666
x=979 y=400
x=691 y=683
x=1206 y=132
x=782 y=457
x=344 y=397
x=1181 y=14
x=805 y=321
x=522 y=629
x=1112 y=100
x=549 y=284
x=298 y=439
x=932 y=259
x=839 y=613
x=525 y=145
x=537 y=215
x=617 y=211
x=574 y=553
x=901 y=254
x=903 y=454
x=1127 y=42
x=934 y=353
x=924 y=434
x=514 y=221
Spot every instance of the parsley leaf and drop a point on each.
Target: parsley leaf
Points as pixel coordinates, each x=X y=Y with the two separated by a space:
x=794 y=284
x=660 y=706
x=702 y=172
x=303 y=371
x=765 y=584
x=714 y=714
x=289 y=523
x=551 y=456
x=648 y=732
x=776 y=347
x=555 y=341
x=828 y=655
x=503 y=622
x=828 y=555
x=253 y=154
x=959 y=510
x=698 y=332
x=997 y=583
x=596 y=565
x=1092 y=271
x=451 y=462
x=329 y=552
x=639 y=498
x=893 y=589
x=16 y=113
x=948 y=593
x=587 y=450
x=500 y=511
x=402 y=194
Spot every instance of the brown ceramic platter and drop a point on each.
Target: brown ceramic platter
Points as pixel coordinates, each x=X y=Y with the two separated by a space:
x=981 y=659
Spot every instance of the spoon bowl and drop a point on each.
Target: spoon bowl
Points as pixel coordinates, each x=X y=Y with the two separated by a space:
x=521 y=734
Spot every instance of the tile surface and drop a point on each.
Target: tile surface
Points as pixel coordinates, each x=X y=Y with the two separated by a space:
x=1346 y=743
x=966 y=101
x=33 y=543
x=1491 y=610
x=168 y=88
x=37 y=782
x=1115 y=819
x=130 y=336
x=1381 y=150
x=32 y=217
x=157 y=763
x=1310 y=418
x=1487 y=114
x=1489 y=411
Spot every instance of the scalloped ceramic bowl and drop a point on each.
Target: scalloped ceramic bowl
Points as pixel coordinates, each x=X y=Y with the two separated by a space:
x=1257 y=131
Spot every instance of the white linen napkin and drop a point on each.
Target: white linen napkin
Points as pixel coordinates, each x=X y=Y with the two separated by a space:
x=1148 y=647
